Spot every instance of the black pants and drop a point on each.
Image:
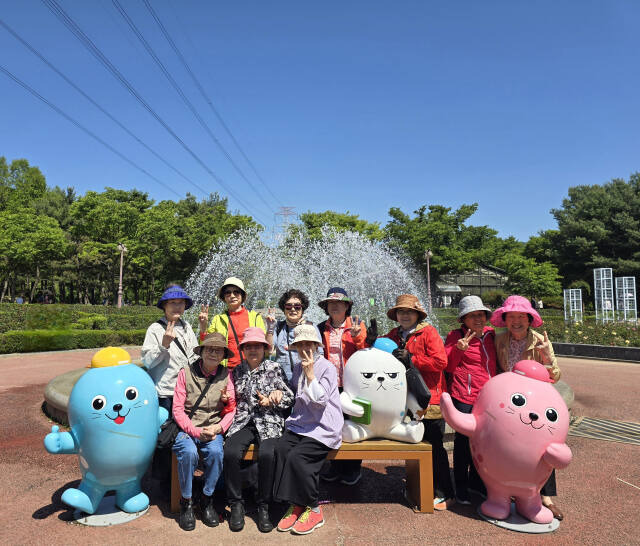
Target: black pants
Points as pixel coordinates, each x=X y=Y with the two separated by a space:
x=235 y=447
x=464 y=471
x=299 y=460
x=549 y=488
x=433 y=433
x=161 y=465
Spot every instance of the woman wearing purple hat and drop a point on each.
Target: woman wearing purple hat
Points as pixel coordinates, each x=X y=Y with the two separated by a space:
x=520 y=342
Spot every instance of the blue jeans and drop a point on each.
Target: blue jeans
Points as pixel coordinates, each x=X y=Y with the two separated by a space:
x=186 y=449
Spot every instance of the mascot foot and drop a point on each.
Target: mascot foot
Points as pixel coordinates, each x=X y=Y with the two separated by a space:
x=78 y=499
x=134 y=504
x=411 y=432
x=496 y=509
x=534 y=511
x=354 y=432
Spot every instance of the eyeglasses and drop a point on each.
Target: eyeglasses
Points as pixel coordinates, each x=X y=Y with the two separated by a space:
x=291 y=306
x=212 y=350
x=230 y=292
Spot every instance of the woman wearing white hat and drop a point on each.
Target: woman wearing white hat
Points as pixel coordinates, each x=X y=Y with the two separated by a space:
x=471 y=356
x=235 y=319
x=313 y=429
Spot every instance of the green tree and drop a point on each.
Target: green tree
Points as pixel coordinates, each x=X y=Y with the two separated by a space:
x=20 y=184
x=313 y=223
x=529 y=278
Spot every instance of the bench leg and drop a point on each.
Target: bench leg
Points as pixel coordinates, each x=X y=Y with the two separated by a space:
x=175 y=484
x=420 y=483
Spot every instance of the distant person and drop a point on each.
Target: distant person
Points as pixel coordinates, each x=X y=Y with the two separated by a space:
x=540 y=304
x=534 y=303
x=20 y=299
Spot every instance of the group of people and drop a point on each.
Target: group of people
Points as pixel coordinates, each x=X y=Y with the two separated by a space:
x=247 y=379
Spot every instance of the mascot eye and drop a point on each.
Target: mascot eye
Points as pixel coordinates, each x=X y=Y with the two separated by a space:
x=131 y=393
x=367 y=375
x=552 y=415
x=99 y=402
x=392 y=375
x=518 y=399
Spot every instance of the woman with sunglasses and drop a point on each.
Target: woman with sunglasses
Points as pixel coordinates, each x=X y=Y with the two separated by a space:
x=293 y=304
x=235 y=319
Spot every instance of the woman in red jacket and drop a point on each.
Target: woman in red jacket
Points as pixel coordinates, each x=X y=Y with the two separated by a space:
x=471 y=353
x=420 y=343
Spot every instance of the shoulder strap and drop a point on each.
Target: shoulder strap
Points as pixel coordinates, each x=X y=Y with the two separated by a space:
x=202 y=394
x=235 y=335
x=175 y=339
x=279 y=326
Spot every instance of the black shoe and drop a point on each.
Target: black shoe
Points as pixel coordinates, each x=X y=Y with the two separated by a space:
x=331 y=474
x=264 y=523
x=187 y=519
x=236 y=520
x=209 y=514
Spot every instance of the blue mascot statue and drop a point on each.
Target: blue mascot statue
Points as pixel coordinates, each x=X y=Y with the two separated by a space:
x=114 y=418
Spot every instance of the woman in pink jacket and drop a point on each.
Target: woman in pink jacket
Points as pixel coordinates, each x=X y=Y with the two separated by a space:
x=471 y=355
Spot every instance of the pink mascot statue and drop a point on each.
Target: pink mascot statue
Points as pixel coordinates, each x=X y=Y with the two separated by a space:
x=517 y=431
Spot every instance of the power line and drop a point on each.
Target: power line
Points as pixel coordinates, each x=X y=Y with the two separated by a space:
x=184 y=98
x=95 y=51
x=86 y=96
x=206 y=97
x=83 y=128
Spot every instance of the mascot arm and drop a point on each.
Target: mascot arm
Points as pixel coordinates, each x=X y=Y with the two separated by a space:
x=60 y=442
x=349 y=407
x=557 y=455
x=163 y=415
x=464 y=423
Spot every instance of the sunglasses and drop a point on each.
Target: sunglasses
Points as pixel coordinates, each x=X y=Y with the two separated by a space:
x=291 y=306
x=232 y=292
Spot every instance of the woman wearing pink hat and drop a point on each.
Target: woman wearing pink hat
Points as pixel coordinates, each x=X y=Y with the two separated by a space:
x=262 y=396
x=520 y=342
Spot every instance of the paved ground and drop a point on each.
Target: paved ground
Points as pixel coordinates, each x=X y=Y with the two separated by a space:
x=599 y=507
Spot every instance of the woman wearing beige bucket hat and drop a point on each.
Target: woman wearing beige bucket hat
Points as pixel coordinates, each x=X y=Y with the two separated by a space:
x=235 y=319
x=420 y=344
x=313 y=429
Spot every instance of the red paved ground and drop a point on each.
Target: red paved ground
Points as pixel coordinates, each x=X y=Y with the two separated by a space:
x=599 y=508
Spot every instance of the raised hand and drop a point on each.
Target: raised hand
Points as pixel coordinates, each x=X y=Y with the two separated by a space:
x=463 y=342
x=275 y=397
x=270 y=320
x=53 y=440
x=544 y=346
x=169 y=335
x=306 y=361
x=356 y=327
x=263 y=400
x=203 y=317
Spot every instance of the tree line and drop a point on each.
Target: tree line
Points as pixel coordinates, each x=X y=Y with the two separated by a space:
x=57 y=244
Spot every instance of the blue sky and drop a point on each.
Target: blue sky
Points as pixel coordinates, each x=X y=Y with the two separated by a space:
x=356 y=106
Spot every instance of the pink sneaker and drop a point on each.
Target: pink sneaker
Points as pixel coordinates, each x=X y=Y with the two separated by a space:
x=290 y=518
x=308 y=521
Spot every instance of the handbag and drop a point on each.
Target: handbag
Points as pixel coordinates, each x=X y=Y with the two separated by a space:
x=169 y=429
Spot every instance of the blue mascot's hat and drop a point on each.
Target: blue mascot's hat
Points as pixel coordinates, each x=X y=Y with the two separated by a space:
x=175 y=292
x=385 y=344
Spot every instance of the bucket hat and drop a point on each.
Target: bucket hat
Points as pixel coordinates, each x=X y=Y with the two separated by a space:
x=254 y=335
x=175 y=292
x=515 y=304
x=469 y=304
x=336 y=294
x=305 y=332
x=407 y=301
x=214 y=339
x=232 y=281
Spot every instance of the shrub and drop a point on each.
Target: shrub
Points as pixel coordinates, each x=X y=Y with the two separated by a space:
x=28 y=341
x=494 y=298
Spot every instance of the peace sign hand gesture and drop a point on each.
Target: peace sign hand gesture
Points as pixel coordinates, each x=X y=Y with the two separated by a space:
x=169 y=335
x=270 y=320
x=263 y=400
x=203 y=317
x=463 y=342
x=356 y=326
x=544 y=346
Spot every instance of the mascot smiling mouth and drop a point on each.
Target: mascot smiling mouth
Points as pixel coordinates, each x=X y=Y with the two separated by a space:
x=118 y=419
x=530 y=423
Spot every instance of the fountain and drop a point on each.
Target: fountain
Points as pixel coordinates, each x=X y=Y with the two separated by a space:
x=372 y=273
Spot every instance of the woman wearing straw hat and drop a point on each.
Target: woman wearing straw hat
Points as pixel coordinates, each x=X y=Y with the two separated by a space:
x=203 y=392
x=420 y=344
x=471 y=354
x=262 y=396
x=313 y=429
x=235 y=320
x=520 y=342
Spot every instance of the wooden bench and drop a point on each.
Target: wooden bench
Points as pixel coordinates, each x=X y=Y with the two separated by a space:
x=417 y=457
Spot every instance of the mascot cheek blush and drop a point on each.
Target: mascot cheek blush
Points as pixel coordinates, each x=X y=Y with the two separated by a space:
x=517 y=431
x=375 y=396
x=114 y=419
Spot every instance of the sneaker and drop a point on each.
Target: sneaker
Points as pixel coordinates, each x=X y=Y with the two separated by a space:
x=352 y=478
x=290 y=518
x=441 y=503
x=308 y=521
x=331 y=474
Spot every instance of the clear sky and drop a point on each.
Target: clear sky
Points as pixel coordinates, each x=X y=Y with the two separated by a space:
x=343 y=105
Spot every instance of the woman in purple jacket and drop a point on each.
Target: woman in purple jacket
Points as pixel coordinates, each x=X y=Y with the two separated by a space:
x=313 y=429
x=471 y=356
